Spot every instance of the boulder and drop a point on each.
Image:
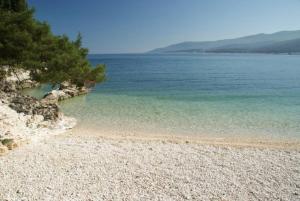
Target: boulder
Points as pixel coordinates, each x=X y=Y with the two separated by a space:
x=7 y=87
x=64 y=92
x=64 y=85
x=51 y=97
x=71 y=92
x=32 y=106
x=56 y=95
x=83 y=90
x=19 y=80
x=27 y=84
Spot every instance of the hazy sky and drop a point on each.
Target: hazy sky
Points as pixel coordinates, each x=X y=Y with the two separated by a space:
x=120 y=26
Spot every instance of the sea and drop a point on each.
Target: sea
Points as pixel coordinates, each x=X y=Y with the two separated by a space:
x=222 y=96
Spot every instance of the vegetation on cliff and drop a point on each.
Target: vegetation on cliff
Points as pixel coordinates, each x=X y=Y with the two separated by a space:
x=26 y=43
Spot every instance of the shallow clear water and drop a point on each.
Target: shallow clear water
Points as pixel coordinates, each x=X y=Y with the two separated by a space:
x=244 y=96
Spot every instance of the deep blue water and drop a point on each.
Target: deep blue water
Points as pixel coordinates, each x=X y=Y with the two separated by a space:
x=211 y=95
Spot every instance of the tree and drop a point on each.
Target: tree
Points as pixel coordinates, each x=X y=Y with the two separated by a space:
x=63 y=60
x=15 y=37
x=13 y=5
x=29 y=44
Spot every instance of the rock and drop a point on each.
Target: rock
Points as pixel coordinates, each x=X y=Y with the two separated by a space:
x=65 y=91
x=32 y=106
x=71 y=92
x=27 y=118
x=9 y=143
x=17 y=81
x=7 y=86
x=35 y=120
x=27 y=84
x=64 y=85
x=3 y=150
x=51 y=97
x=83 y=90
x=23 y=104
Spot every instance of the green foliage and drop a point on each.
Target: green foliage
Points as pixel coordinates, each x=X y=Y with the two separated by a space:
x=15 y=37
x=29 y=44
x=13 y=5
x=6 y=141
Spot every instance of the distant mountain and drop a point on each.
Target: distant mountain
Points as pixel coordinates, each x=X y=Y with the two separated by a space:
x=289 y=46
x=279 y=42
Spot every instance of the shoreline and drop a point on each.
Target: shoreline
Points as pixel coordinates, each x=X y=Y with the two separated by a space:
x=80 y=164
x=233 y=142
x=83 y=163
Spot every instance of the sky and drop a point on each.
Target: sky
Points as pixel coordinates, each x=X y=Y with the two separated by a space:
x=134 y=26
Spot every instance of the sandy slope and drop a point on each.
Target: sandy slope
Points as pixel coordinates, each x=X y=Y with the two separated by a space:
x=90 y=168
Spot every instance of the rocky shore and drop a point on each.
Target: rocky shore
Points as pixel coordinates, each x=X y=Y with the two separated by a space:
x=65 y=91
x=21 y=80
x=24 y=118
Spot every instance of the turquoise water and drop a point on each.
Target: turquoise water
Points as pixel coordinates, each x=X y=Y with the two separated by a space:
x=219 y=96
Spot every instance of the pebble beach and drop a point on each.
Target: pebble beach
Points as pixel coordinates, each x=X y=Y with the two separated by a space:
x=72 y=167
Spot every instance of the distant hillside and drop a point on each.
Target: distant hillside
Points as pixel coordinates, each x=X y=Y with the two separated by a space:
x=281 y=42
x=289 y=46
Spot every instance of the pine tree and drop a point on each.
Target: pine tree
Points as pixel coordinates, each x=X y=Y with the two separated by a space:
x=29 y=44
x=19 y=5
x=13 y=5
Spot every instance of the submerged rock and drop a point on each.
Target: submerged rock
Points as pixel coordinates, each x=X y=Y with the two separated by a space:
x=65 y=91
